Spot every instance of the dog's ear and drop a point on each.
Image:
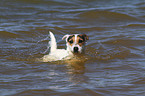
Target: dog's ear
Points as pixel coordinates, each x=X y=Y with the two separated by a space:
x=84 y=37
x=65 y=36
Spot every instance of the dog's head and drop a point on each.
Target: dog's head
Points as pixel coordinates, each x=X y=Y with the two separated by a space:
x=75 y=43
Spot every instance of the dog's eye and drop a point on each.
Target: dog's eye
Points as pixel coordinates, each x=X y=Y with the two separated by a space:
x=71 y=41
x=80 y=41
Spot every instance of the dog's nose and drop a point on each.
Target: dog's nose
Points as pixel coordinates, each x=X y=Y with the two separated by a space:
x=76 y=49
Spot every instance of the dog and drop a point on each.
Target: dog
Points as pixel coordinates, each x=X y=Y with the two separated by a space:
x=75 y=44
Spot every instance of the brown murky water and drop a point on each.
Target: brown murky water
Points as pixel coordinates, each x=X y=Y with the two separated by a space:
x=116 y=30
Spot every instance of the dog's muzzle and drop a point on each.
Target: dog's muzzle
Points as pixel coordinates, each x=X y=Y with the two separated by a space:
x=76 y=49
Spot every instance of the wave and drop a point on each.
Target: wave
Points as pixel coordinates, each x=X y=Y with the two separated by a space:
x=126 y=42
x=134 y=26
x=106 y=16
x=5 y=34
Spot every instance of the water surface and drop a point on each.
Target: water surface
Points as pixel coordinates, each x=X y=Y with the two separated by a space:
x=116 y=30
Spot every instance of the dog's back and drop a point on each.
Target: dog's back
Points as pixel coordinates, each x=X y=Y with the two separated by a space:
x=55 y=54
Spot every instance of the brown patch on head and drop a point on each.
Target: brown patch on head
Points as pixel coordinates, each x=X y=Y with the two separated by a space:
x=71 y=39
x=81 y=39
x=84 y=37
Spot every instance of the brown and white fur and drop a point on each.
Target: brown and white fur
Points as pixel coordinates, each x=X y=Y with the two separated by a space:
x=74 y=44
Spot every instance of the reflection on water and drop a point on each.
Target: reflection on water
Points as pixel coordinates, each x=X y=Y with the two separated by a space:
x=113 y=63
x=76 y=71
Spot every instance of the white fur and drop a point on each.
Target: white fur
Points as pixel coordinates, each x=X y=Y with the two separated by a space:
x=71 y=48
x=62 y=54
x=76 y=45
x=56 y=54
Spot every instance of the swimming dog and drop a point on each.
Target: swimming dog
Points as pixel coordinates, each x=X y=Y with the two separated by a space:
x=75 y=44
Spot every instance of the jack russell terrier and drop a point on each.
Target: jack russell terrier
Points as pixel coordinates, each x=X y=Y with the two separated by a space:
x=75 y=43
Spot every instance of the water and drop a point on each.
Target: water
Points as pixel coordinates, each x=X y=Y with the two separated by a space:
x=114 y=62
